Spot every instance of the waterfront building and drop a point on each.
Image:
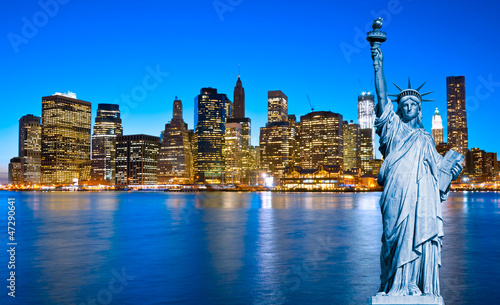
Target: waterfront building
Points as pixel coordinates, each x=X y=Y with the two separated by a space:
x=15 y=174
x=107 y=127
x=437 y=128
x=324 y=177
x=246 y=155
x=175 y=159
x=66 y=127
x=210 y=119
x=136 y=159
x=30 y=149
x=366 y=150
x=457 y=116
x=233 y=153
x=366 y=115
x=481 y=165
x=352 y=145
x=275 y=143
x=321 y=139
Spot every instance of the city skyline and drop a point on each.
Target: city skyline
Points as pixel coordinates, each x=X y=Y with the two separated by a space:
x=330 y=89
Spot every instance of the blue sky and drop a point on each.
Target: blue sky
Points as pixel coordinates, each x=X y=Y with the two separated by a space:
x=104 y=50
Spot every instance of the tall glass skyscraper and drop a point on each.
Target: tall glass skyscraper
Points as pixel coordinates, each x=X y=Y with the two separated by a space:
x=352 y=145
x=210 y=119
x=137 y=159
x=366 y=115
x=458 y=135
x=66 y=126
x=107 y=127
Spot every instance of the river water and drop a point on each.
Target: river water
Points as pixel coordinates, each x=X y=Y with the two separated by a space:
x=229 y=248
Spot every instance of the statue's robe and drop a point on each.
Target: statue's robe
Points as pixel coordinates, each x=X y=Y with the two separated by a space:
x=410 y=204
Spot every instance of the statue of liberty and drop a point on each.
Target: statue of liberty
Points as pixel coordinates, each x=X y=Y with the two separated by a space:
x=411 y=201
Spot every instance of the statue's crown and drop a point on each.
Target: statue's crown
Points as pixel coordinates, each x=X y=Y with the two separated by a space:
x=411 y=92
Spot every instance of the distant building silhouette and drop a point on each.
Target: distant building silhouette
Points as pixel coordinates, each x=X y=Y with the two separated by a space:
x=107 y=127
x=239 y=100
x=66 y=126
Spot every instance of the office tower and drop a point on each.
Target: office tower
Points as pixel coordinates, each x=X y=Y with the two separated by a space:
x=193 y=141
x=136 y=159
x=107 y=127
x=275 y=139
x=246 y=155
x=30 y=149
x=175 y=160
x=15 y=174
x=233 y=152
x=239 y=100
x=366 y=115
x=277 y=106
x=275 y=148
x=321 y=140
x=65 y=137
x=437 y=128
x=457 y=117
x=366 y=151
x=210 y=120
x=475 y=162
x=491 y=164
x=352 y=145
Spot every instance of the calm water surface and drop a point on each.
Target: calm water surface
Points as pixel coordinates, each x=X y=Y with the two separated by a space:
x=229 y=248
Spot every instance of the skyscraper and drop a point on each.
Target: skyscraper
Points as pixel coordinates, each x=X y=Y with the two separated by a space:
x=175 y=160
x=107 y=127
x=233 y=152
x=437 y=128
x=277 y=106
x=275 y=137
x=366 y=115
x=66 y=130
x=458 y=138
x=239 y=100
x=321 y=139
x=136 y=159
x=30 y=148
x=366 y=152
x=352 y=145
x=210 y=120
x=15 y=174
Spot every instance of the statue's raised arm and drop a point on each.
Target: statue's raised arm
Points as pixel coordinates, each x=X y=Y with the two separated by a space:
x=376 y=37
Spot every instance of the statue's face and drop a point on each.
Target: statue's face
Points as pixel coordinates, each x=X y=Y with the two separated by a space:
x=410 y=108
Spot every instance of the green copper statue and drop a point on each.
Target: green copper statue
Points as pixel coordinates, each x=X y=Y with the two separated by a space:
x=412 y=175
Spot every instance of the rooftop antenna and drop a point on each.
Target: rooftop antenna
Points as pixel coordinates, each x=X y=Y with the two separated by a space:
x=239 y=70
